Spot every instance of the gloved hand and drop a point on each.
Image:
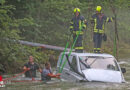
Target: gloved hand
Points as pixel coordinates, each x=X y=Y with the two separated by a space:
x=104 y=37
x=113 y=18
x=58 y=74
x=40 y=71
x=85 y=21
x=27 y=69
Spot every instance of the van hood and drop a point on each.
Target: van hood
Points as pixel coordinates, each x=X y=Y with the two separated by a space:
x=103 y=75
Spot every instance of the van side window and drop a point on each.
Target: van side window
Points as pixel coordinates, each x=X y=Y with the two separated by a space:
x=74 y=64
x=66 y=65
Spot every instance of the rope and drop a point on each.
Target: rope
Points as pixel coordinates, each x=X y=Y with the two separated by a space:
x=63 y=55
x=6 y=79
x=71 y=48
x=9 y=79
x=67 y=44
x=26 y=80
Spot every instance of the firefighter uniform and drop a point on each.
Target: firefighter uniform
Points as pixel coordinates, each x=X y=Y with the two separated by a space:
x=75 y=25
x=99 y=20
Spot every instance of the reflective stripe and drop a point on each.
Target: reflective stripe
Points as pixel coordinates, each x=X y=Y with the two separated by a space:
x=71 y=23
x=98 y=48
x=107 y=19
x=103 y=26
x=101 y=31
x=98 y=31
x=111 y=20
x=95 y=30
x=84 y=26
x=71 y=27
x=95 y=48
x=78 y=32
x=79 y=48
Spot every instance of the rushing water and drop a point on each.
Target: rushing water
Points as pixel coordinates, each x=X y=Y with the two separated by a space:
x=60 y=85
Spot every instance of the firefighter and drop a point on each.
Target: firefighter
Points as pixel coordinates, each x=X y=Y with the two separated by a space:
x=76 y=23
x=99 y=19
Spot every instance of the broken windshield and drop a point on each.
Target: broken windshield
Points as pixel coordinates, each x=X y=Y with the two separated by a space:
x=96 y=62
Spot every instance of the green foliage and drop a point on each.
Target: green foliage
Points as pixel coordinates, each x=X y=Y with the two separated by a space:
x=47 y=22
x=8 y=30
x=2 y=2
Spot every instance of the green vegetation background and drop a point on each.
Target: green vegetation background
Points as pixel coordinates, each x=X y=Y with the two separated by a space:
x=47 y=22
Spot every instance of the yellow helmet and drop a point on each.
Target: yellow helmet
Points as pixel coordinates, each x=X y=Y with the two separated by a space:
x=76 y=10
x=99 y=8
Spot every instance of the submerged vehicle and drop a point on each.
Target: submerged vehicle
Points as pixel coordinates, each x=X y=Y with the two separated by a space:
x=91 y=67
x=85 y=66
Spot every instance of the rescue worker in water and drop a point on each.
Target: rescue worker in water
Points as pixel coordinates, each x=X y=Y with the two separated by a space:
x=47 y=73
x=76 y=23
x=30 y=67
x=99 y=20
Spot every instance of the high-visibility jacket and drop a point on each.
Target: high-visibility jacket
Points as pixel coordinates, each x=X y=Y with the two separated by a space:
x=76 y=23
x=99 y=21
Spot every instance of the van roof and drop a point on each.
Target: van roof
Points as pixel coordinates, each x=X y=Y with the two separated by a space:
x=90 y=54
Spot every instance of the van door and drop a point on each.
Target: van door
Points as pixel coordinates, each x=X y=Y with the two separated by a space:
x=74 y=69
x=66 y=70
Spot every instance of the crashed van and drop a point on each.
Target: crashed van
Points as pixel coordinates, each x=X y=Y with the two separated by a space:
x=90 y=67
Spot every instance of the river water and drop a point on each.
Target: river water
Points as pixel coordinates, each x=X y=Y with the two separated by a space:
x=60 y=85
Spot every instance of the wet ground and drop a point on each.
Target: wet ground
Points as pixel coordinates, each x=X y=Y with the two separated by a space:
x=59 y=85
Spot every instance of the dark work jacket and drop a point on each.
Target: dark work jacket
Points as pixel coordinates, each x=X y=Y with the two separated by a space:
x=76 y=23
x=99 y=21
x=32 y=71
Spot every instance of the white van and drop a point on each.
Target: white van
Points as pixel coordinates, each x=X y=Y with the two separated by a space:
x=90 y=67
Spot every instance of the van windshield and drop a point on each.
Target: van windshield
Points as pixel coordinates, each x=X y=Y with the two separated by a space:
x=96 y=62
